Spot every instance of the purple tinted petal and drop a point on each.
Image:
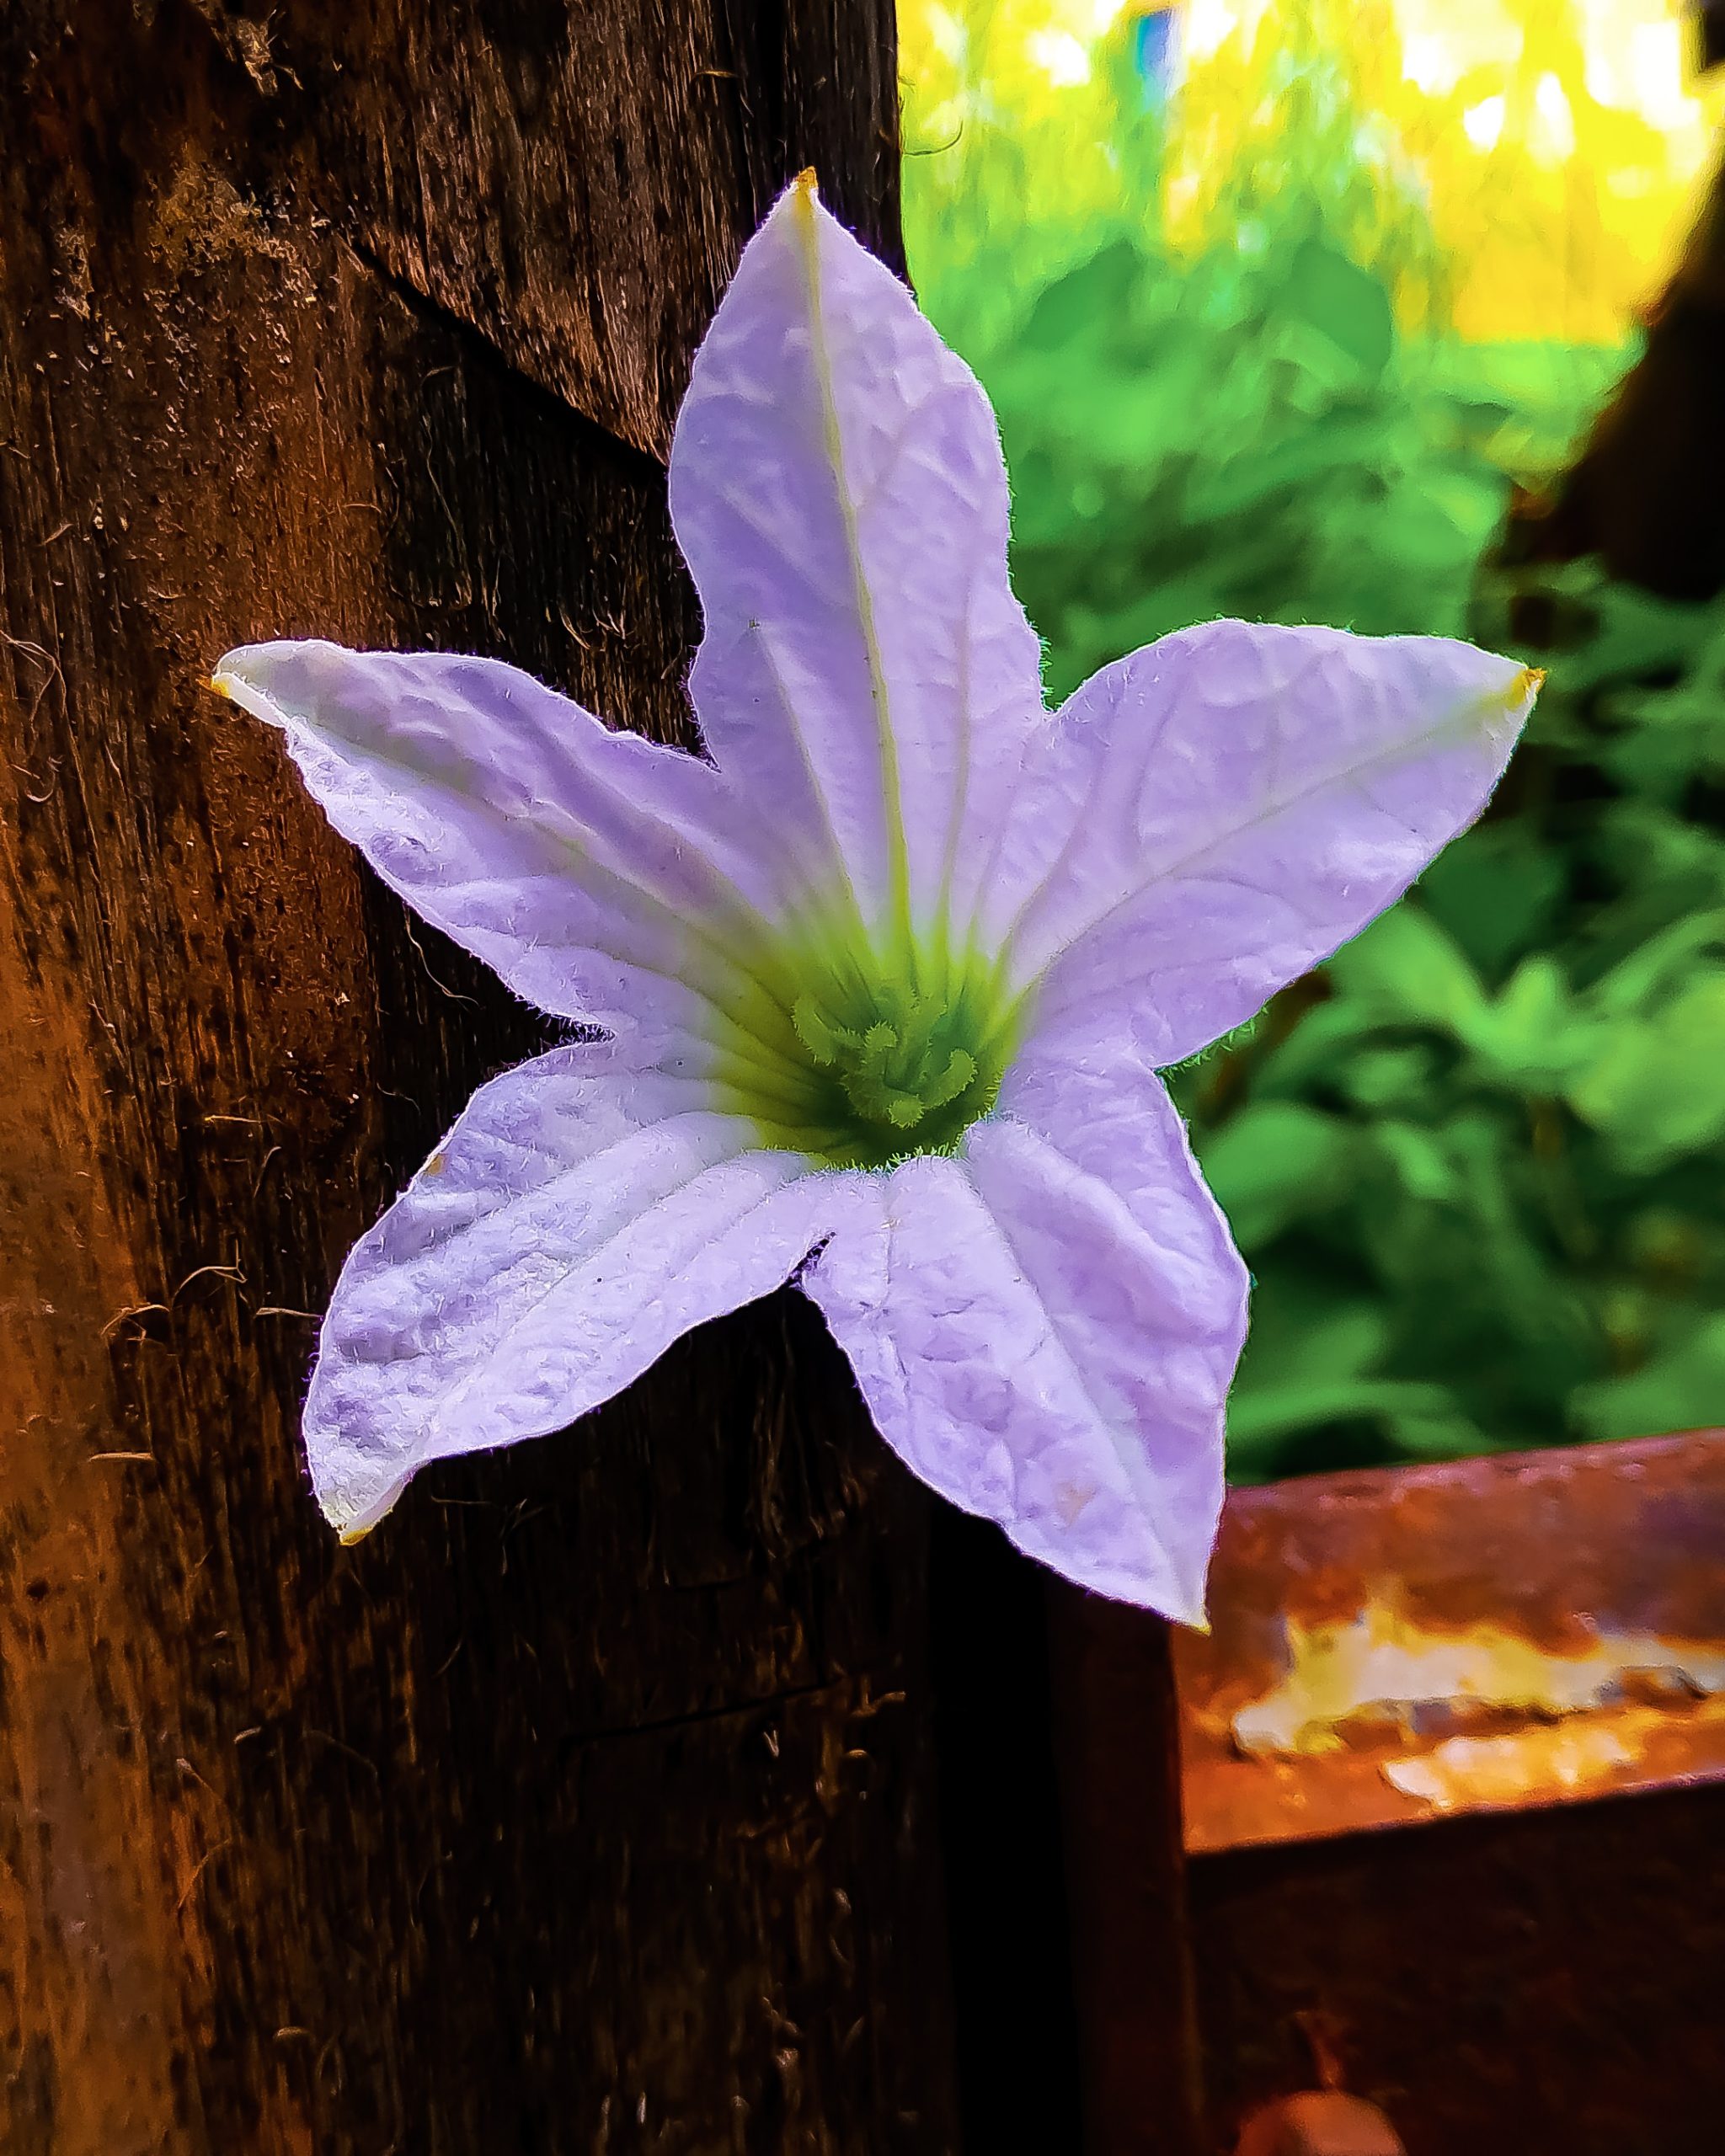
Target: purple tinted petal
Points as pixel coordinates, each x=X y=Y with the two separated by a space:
x=586 y=1210
x=1210 y=817
x=837 y=486
x=1046 y=1329
x=585 y=865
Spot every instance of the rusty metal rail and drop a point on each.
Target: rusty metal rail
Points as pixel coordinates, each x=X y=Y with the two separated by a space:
x=1391 y=1646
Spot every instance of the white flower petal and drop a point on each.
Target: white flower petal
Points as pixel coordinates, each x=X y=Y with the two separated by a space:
x=586 y=1210
x=1209 y=818
x=1044 y=1328
x=598 y=872
x=837 y=486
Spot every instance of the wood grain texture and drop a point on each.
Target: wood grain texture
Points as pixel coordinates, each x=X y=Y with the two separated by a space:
x=1499 y=1985
x=587 y=1805
x=1115 y=1721
x=501 y=173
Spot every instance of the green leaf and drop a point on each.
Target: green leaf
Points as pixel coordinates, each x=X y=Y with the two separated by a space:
x=1682 y=1388
x=1275 y=1164
x=1407 y=967
x=1069 y=311
x=1345 y=302
x=1494 y=892
x=1533 y=1034
x=1657 y=1089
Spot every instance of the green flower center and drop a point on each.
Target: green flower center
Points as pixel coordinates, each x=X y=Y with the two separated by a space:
x=859 y=1061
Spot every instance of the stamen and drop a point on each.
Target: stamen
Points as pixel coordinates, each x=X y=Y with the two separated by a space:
x=876 y=1058
x=961 y=1068
x=824 y=1040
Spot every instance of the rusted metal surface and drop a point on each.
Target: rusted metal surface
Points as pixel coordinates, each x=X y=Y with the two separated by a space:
x=1395 y=1645
x=1326 y=2121
x=1319 y=2122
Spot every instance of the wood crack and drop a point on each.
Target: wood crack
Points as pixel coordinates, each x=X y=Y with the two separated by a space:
x=485 y=348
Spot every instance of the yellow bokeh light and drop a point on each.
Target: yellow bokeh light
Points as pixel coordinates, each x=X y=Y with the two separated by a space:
x=1555 y=146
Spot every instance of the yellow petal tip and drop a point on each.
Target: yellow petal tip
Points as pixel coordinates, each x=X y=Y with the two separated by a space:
x=349 y=1535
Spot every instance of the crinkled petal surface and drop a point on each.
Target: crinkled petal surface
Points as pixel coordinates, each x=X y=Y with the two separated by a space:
x=1209 y=818
x=586 y=866
x=1045 y=1327
x=837 y=486
x=586 y=1210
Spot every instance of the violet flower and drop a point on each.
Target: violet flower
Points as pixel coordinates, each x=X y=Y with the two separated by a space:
x=885 y=986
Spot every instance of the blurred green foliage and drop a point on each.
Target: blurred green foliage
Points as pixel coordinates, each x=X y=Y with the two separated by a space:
x=1478 y=1164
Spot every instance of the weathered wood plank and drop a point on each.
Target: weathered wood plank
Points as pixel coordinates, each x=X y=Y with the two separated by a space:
x=486 y=158
x=586 y=1806
x=1116 y=1724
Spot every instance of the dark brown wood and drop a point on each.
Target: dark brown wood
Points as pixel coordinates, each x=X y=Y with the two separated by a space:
x=1500 y=1984
x=1017 y=2039
x=587 y=1805
x=547 y=178
x=1117 y=1735
x=1647 y=494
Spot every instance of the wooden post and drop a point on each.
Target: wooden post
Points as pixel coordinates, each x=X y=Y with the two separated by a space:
x=1116 y=1728
x=586 y=1805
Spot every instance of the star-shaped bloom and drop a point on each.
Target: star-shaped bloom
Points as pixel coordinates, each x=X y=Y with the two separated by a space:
x=884 y=987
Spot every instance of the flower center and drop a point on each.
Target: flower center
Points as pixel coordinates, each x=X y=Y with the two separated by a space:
x=859 y=1063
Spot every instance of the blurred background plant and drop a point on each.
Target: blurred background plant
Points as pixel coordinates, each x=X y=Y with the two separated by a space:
x=1282 y=306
